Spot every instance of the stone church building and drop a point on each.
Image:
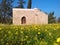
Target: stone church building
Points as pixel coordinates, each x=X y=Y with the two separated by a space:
x=29 y=16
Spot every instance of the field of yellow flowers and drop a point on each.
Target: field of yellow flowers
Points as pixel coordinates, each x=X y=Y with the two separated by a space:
x=30 y=34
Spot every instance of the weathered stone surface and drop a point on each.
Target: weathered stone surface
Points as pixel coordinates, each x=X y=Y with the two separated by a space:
x=32 y=16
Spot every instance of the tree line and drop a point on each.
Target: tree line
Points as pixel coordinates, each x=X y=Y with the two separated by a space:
x=52 y=18
x=6 y=11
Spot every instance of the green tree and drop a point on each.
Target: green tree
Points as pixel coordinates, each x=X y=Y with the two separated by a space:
x=59 y=20
x=51 y=18
x=29 y=4
x=6 y=10
x=20 y=4
x=1 y=16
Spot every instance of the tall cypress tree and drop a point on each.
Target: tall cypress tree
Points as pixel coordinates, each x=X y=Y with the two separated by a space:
x=29 y=4
x=20 y=4
x=0 y=13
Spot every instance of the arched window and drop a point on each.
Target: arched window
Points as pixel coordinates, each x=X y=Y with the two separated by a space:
x=23 y=20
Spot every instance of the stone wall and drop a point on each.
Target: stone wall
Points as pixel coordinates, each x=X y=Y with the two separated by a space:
x=33 y=16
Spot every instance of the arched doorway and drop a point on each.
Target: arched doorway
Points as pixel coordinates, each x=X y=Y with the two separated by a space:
x=23 y=20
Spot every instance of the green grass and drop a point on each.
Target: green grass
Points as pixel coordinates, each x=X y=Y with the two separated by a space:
x=30 y=34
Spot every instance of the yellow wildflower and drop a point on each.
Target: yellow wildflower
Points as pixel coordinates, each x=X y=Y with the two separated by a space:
x=49 y=33
x=9 y=32
x=26 y=36
x=58 y=27
x=43 y=43
x=54 y=28
x=38 y=29
x=55 y=44
x=16 y=28
x=58 y=39
x=16 y=32
x=21 y=31
x=0 y=28
x=7 y=43
x=24 y=39
x=39 y=33
x=45 y=29
x=22 y=28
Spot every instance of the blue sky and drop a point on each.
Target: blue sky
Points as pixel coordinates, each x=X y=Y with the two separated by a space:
x=46 y=6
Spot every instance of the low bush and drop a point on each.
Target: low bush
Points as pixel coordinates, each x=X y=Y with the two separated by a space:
x=30 y=34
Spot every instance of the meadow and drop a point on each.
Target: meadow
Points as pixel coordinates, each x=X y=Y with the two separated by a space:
x=30 y=34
